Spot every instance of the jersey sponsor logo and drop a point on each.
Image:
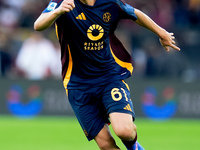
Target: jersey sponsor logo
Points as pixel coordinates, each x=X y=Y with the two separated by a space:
x=93 y=45
x=81 y=16
x=52 y=6
x=95 y=32
x=106 y=17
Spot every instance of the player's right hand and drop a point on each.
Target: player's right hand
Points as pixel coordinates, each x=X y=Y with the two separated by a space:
x=66 y=6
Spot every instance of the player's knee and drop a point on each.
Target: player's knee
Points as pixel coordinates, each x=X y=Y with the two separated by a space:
x=126 y=132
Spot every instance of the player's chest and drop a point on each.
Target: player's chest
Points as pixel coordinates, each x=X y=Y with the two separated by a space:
x=89 y=18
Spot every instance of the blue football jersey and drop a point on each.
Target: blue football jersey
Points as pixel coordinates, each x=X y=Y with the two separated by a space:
x=91 y=54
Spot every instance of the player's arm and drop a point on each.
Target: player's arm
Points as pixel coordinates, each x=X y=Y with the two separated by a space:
x=45 y=20
x=166 y=38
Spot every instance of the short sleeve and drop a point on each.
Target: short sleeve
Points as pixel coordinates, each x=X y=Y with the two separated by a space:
x=127 y=11
x=53 y=4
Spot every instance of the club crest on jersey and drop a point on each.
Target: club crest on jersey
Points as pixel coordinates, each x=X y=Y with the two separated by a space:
x=106 y=17
x=51 y=6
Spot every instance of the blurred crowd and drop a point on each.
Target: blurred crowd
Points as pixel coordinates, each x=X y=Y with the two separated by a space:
x=167 y=13
x=25 y=53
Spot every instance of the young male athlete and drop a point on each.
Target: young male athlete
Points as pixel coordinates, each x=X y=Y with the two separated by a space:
x=95 y=64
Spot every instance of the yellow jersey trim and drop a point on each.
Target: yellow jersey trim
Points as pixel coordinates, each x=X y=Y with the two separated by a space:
x=69 y=69
x=126 y=85
x=56 y=28
x=126 y=65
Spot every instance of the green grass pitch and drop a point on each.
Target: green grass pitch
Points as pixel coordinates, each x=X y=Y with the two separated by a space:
x=64 y=133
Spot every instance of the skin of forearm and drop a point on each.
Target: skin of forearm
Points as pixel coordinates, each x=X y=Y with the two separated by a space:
x=45 y=20
x=145 y=21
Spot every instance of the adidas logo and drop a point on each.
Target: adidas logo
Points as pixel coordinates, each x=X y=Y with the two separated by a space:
x=81 y=16
x=128 y=107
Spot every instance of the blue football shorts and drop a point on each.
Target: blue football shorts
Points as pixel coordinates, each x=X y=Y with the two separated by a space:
x=92 y=106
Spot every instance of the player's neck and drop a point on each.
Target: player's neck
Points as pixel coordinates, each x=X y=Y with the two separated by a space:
x=88 y=2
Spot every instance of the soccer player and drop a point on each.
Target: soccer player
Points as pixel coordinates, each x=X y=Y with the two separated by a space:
x=95 y=64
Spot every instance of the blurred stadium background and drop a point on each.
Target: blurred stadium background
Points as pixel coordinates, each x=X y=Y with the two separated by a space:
x=165 y=86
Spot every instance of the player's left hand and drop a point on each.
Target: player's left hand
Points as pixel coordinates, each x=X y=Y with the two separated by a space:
x=168 y=40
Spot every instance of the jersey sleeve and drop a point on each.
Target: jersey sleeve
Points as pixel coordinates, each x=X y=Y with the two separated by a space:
x=127 y=11
x=53 y=4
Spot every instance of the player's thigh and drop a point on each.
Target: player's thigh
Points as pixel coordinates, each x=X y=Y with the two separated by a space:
x=119 y=106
